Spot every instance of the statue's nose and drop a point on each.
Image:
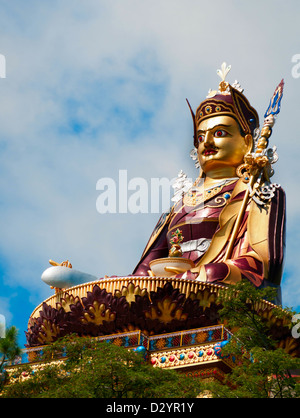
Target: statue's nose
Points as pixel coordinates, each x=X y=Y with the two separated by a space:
x=208 y=139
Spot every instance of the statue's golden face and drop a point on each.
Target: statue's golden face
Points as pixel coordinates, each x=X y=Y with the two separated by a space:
x=220 y=144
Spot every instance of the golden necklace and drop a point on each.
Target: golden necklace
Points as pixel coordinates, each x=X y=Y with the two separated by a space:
x=199 y=194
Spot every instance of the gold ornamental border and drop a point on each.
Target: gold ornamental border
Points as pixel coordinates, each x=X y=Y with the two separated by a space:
x=171 y=359
x=151 y=284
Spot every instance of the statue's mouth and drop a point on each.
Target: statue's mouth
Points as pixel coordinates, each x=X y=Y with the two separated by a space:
x=210 y=151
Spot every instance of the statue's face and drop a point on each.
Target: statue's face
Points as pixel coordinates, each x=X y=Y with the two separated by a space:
x=221 y=144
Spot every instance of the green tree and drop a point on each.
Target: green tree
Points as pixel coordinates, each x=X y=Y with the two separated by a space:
x=262 y=369
x=9 y=350
x=94 y=369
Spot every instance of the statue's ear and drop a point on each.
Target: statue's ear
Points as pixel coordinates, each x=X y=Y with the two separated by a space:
x=249 y=142
x=194 y=123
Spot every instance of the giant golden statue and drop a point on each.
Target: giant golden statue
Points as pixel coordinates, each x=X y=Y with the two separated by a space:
x=233 y=219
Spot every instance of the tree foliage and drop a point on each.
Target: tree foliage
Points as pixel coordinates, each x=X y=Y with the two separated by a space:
x=94 y=369
x=9 y=350
x=262 y=369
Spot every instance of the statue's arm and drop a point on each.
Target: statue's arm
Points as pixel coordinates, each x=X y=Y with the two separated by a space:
x=258 y=251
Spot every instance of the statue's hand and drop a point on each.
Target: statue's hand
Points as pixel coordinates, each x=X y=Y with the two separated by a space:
x=64 y=263
x=189 y=275
x=200 y=274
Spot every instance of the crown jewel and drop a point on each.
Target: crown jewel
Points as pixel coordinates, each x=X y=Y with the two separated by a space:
x=223 y=74
x=224 y=85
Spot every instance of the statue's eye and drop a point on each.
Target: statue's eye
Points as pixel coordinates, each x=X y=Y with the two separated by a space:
x=201 y=138
x=220 y=133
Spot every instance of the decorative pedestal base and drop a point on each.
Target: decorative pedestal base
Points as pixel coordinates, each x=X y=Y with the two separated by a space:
x=175 y=321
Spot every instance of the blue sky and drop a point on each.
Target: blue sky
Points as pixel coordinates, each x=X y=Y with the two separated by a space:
x=94 y=87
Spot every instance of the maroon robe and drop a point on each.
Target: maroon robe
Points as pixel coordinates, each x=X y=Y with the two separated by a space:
x=200 y=223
